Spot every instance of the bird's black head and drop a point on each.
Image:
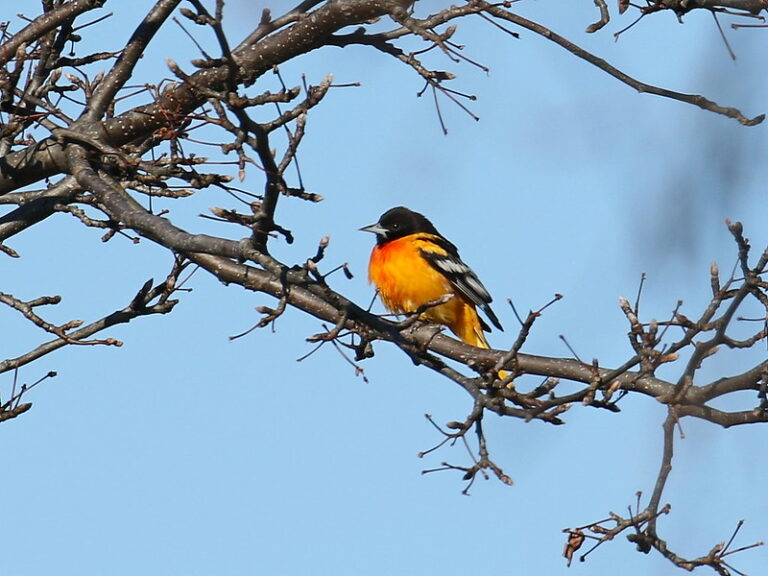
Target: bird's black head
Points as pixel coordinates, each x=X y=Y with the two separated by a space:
x=399 y=222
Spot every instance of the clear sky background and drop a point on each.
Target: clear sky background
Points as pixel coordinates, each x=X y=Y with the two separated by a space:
x=185 y=453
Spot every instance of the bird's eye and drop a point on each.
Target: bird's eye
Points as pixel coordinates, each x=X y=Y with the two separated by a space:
x=396 y=226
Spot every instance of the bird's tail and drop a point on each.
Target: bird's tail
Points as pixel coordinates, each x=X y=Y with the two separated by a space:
x=472 y=333
x=483 y=343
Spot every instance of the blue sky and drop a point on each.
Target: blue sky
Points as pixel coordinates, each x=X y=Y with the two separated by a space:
x=185 y=453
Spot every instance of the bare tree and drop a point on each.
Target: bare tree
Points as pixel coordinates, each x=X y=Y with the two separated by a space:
x=66 y=147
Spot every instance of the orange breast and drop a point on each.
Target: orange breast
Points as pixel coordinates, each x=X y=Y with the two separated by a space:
x=406 y=281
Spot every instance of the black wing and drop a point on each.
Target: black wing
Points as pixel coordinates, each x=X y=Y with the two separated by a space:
x=445 y=259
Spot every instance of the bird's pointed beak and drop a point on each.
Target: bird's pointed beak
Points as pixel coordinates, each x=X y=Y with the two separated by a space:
x=377 y=229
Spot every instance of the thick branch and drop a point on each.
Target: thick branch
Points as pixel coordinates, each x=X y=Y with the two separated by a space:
x=108 y=88
x=44 y=24
x=47 y=157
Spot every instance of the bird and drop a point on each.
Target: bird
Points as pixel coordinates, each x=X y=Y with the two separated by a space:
x=412 y=264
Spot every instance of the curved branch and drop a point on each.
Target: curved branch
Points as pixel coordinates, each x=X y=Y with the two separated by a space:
x=317 y=299
x=641 y=87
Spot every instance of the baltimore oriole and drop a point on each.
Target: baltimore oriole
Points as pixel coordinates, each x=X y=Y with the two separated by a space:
x=413 y=264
